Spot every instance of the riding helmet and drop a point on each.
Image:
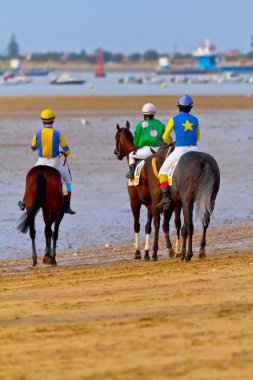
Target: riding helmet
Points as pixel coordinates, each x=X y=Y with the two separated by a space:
x=148 y=109
x=185 y=101
x=47 y=115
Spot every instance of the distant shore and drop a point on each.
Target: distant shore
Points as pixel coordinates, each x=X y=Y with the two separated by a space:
x=30 y=105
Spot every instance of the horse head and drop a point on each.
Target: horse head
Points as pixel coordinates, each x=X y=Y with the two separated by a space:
x=124 y=141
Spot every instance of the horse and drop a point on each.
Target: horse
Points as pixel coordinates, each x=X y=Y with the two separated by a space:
x=147 y=193
x=43 y=190
x=196 y=180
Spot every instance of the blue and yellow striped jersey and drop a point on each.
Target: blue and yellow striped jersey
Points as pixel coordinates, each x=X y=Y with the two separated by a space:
x=47 y=141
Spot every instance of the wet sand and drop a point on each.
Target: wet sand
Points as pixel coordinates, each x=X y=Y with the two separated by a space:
x=100 y=314
x=29 y=105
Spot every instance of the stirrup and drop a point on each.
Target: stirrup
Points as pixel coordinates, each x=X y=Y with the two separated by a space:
x=21 y=205
x=163 y=202
x=68 y=210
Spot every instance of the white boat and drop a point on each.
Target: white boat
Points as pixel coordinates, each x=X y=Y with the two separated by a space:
x=229 y=77
x=11 y=79
x=67 y=79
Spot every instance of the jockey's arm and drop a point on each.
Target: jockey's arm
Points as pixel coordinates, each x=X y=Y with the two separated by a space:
x=198 y=133
x=34 y=145
x=166 y=136
x=137 y=134
x=64 y=145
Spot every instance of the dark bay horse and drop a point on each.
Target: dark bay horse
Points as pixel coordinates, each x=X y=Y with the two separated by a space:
x=43 y=190
x=196 y=180
x=147 y=193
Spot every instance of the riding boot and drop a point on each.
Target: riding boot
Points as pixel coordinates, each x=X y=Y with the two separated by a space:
x=21 y=205
x=130 y=174
x=67 y=208
x=166 y=196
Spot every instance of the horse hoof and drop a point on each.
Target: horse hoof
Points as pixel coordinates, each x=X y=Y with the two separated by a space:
x=154 y=257
x=47 y=260
x=54 y=263
x=137 y=255
x=146 y=257
x=187 y=258
x=171 y=253
x=202 y=254
x=177 y=255
x=34 y=264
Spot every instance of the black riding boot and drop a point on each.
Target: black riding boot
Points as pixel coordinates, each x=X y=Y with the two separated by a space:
x=67 y=208
x=21 y=205
x=130 y=174
x=166 y=196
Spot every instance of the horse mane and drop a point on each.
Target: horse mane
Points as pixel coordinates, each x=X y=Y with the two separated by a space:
x=128 y=134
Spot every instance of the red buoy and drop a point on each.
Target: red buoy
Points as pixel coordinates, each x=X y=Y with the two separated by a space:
x=99 y=68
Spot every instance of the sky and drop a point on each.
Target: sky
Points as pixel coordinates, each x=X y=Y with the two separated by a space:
x=125 y=26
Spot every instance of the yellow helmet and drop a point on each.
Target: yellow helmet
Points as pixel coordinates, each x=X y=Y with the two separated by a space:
x=47 y=115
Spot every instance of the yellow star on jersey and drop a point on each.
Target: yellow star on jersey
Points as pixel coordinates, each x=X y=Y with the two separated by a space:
x=188 y=126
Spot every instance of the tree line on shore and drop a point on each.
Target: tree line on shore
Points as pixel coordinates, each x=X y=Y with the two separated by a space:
x=107 y=56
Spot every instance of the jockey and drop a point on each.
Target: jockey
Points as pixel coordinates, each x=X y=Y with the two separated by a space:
x=147 y=135
x=187 y=132
x=47 y=142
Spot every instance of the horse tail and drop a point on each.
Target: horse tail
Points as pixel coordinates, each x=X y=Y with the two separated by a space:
x=26 y=219
x=204 y=196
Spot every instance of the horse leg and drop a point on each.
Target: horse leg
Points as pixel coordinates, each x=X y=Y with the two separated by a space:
x=148 y=232
x=178 y=228
x=136 y=207
x=167 y=213
x=205 y=224
x=48 y=235
x=184 y=240
x=55 y=236
x=32 y=236
x=157 y=218
x=188 y=214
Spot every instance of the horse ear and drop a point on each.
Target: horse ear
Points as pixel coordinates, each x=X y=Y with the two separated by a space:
x=118 y=128
x=127 y=125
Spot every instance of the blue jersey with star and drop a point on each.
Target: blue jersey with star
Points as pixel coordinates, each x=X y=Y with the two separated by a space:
x=186 y=129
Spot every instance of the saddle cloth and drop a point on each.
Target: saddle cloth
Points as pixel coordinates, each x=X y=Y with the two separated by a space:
x=137 y=174
x=170 y=172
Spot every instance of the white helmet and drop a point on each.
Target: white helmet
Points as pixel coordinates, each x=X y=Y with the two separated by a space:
x=148 y=109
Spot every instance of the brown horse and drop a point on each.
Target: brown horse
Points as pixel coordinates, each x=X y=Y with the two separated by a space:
x=147 y=193
x=43 y=190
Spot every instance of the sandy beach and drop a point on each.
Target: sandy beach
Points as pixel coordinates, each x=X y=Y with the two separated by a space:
x=100 y=314
x=28 y=105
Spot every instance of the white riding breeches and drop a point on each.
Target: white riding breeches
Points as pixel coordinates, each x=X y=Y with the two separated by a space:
x=142 y=153
x=55 y=163
x=174 y=157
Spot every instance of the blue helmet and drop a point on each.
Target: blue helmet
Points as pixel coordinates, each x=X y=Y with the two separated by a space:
x=185 y=100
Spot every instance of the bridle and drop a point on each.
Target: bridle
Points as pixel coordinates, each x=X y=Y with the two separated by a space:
x=120 y=155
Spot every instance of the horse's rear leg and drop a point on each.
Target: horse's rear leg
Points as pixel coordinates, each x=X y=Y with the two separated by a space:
x=148 y=232
x=55 y=236
x=188 y=223
x=167 y=213
x=184 y=240
x=205 y=224
x=48 y=260
x=32 y=236
x=178 y=228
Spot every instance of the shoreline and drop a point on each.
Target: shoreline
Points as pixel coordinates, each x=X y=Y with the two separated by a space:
x=31 y=105
x=240 y=242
